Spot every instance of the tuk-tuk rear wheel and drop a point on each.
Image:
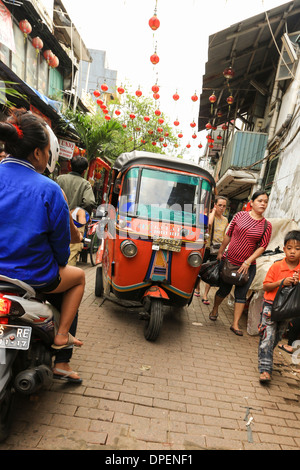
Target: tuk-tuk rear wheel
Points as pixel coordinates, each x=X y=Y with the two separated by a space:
x=99 y=282
x=154 y=324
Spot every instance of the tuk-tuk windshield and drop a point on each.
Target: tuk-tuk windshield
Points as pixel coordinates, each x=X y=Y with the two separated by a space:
x=164 y=195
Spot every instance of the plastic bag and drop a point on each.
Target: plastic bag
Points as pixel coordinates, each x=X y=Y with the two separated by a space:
x=210 y=273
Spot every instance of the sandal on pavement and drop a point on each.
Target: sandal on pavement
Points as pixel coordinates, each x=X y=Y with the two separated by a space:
x=196 y=293
x=283 y=347
x=70 y=342
x=264 y=377
x=237 y=332
x=206 y=302
x=66 y=376
x=213 y=316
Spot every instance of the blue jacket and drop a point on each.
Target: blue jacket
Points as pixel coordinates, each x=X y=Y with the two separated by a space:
x=34 y=224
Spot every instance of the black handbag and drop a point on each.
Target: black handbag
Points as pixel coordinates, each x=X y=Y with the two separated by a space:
x=210 y=273
x=286 y=304
x=230 y=275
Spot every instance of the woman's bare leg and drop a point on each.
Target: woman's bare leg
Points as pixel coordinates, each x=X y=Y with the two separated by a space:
x=72 y=285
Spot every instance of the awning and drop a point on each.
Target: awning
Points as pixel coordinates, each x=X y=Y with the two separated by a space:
x=237 y=184
x=249 y=47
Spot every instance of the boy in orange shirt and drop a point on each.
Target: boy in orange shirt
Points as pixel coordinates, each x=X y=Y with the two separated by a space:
x=271 y=332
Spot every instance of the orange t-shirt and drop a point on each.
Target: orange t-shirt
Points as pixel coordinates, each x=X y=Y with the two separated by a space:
x=278 y=271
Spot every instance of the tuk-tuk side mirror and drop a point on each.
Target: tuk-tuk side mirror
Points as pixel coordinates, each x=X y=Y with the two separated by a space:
x=117 y=186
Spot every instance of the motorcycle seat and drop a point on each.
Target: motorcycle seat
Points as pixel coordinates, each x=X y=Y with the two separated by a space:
x=8 y=287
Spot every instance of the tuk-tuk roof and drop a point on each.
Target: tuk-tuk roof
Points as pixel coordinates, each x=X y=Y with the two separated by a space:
x=125 y=160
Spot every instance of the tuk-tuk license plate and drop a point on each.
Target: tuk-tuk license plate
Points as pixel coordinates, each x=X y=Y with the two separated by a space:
x=15 y=337
x=167 y=244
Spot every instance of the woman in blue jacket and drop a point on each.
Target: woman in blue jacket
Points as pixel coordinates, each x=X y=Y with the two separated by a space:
x=34 y=220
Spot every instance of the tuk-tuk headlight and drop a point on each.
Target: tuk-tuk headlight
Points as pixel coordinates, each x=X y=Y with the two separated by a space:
x=195 y=259
x=128 y=249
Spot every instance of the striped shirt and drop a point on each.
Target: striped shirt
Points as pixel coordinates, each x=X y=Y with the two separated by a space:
x=246 y=233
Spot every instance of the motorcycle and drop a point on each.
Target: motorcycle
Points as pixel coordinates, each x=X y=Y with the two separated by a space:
x=26 y=336
x=27 y=326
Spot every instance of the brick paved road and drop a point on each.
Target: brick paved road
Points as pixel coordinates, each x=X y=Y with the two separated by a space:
x=188 y=390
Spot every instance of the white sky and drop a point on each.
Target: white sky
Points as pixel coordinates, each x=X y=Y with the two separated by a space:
x=120 y=27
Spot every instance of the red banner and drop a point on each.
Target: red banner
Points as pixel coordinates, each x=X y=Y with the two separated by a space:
x=6 y=28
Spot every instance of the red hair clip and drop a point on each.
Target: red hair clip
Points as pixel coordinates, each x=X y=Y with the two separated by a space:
x=19 y=131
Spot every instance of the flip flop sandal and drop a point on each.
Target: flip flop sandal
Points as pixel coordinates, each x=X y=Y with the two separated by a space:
x=206 y=302
x=70 y=342
x=213 y=317
x=237 y=332
x=197 y=294
x=265 y=377
x=65 y=375
x=282 y=346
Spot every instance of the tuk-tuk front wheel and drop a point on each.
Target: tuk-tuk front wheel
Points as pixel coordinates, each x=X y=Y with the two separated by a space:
x=154 y=324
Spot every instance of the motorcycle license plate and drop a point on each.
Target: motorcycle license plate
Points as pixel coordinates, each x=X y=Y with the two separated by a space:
x=15 y=337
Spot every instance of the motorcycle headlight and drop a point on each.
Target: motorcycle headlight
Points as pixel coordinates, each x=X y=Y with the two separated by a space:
x=195 y=259
x=128 y=248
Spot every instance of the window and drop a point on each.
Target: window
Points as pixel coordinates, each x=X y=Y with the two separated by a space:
x=18 y=58
x=270 y=174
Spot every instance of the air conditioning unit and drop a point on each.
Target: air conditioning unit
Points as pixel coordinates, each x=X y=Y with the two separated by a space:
x=259 y=125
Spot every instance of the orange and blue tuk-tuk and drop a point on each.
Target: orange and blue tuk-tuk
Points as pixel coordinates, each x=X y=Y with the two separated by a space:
x=155 y=227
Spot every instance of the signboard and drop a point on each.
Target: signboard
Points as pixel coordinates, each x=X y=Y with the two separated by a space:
x=6 y=28
x=66 y=149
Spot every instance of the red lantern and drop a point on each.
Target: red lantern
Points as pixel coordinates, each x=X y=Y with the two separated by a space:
x=176 y=123
x=120 y=90
x=165 y=144
x=37 y=44
x=138 y=93
x=175 y=96
x=155 y=88
x=154 y=143
x=124 y=126
x=228 y=73
x=107 y=117
x=132 y=116
x=161 y=120
x=154 y=59
x=161 y=139
x=105 y=111
x=138 y=129
x=150 y=131
x=194 y=98
x=213 y=98
x=208 y=125
x=188 y=146
x=219 y=114
x=100 y=103
x=154 y=22
x=48 y=55
x=211 y=146
x=193 y=124
x=143 y=141
x=96 y=92
x=156 y=96
x=159 y=129
x=166 y=134
x=25 y=27
x=219 y=137
x=76 y=151
x=176 y=146
x=194 y=136
x=146 y=118
x=117 y=112
x=200 y=146
x=230 y=100
x=180 y=135
x=157 y=112
x=54 y=62
x=224 y=127
x=104 y=87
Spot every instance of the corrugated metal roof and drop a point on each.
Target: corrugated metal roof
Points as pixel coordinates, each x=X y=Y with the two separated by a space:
x=248 y=47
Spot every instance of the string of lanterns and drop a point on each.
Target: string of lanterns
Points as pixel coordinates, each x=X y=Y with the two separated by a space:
x=38 y=44
x=154 y=24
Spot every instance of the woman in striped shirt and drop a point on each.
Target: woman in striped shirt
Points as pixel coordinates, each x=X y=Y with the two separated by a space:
x=247 y=238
